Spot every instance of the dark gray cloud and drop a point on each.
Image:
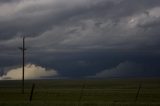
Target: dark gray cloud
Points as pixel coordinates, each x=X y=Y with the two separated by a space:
x=127 y=69
x=9 y=1
x=78 y=34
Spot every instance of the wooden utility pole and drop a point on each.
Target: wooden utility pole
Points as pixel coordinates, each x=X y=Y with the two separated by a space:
x=81 y=93
x=23 y=49
x=32 y=91
x=138 y=91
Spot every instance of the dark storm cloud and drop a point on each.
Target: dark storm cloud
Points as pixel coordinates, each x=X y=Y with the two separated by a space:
x=8 y=1
x=92 y=30
x=83 y=35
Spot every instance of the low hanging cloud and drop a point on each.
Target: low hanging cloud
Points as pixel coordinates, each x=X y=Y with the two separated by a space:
x=124 y=69
x=31 y=72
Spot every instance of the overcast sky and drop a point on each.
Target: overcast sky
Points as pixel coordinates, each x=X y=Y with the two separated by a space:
x=83 y=38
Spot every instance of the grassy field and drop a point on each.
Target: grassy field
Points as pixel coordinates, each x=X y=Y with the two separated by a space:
x=82 y=93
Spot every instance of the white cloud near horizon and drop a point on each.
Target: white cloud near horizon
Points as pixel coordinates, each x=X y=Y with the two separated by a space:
x=31 y=72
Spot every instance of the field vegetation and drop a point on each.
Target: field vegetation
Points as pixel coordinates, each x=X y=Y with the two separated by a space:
x=113 y=92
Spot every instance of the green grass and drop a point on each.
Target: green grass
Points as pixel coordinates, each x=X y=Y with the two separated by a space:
x=70 y=93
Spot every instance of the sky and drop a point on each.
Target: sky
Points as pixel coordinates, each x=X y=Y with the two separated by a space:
x=80 y=38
